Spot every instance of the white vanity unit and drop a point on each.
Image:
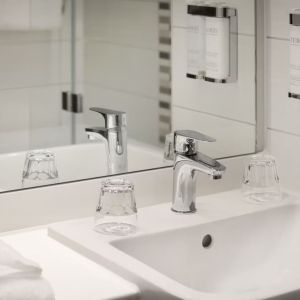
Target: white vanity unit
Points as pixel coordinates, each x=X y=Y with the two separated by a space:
x=70 y=275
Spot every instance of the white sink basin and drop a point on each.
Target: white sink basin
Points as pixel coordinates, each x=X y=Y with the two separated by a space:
x=254 y=253
x=246 y=254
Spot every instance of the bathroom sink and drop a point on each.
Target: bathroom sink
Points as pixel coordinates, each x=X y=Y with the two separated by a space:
x=235 y=256
x=228 y=250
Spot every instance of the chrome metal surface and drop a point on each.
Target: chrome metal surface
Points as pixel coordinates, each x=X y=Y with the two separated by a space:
x=188 y=162
x=112 y=118
x=72 y=102
x=114 y=135
x=295 y=17
x=212 y=11
x=292 y=95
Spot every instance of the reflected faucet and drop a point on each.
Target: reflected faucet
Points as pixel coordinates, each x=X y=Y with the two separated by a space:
x=114 y=135
x=181 y=146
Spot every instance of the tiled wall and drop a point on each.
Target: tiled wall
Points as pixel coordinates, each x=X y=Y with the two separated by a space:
x=35 y=68
x=117 y=54
x=224 y=111
x=283 y=113
x=122 y=63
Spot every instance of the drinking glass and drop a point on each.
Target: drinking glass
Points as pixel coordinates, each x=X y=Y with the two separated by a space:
x=261 y=181
x=116 y=212
x=39 y=168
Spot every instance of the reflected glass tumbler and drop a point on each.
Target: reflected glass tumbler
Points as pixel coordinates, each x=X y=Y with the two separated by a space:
x=261 y=181
x=39 y=169
x=116 y=212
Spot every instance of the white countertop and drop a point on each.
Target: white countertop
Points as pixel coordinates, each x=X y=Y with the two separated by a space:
x=158 y=219
x=71 y=275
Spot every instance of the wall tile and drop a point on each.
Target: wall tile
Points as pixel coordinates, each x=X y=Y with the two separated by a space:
x=46 y=15
x=30 y=64
x=285 y=148
x=278 y=17
x=14 y=113
x=129 y=69
x=47 y=137
x=14 y=120
x=45 y=106
x=34 y=66
x=127 y=22
x=233 y=138
x=14 y=15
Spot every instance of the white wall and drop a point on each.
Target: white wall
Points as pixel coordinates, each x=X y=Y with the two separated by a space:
x=35 y=68
x=224 y=111
x=283 y=113
x=122 y=63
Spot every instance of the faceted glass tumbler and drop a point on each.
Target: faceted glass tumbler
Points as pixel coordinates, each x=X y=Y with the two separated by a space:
x=116 y=212
x=261 y=181
x=39 y=169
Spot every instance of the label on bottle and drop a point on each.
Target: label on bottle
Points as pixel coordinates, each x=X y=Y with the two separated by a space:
x=295 y=59
x=217 y=48
x=195 y=44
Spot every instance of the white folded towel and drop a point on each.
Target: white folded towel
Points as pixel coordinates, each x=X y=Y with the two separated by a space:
x=20 y=278
x=35 y=288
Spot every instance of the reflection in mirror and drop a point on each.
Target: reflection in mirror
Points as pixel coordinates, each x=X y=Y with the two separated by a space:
x=100 y=83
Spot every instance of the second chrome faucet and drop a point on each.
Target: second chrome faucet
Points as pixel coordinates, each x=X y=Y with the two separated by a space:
x=114 y=135
x=181 y=146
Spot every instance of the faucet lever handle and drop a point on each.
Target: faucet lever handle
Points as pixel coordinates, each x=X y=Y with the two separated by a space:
x=194 y=135
x=169 y=147
x=112 y=118
x=185 y=141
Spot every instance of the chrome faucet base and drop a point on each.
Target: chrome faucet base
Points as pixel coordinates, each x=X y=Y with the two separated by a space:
x=114 y=135
x=191 y=211
x=188 y=162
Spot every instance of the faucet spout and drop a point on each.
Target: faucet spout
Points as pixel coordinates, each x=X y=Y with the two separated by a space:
x=186 y=170
x=114 y=136
x=96 y=133
x=188 y=163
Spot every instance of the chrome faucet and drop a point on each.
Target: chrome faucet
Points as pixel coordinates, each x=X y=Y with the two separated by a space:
x=181 y=146
x=114 y=134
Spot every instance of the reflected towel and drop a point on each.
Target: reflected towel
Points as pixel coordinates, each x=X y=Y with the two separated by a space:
x=12 y=261
x=20 y=278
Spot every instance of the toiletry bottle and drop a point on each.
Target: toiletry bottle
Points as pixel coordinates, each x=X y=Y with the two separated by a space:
x=294 y=69
x=217 y=59
x=195 y=42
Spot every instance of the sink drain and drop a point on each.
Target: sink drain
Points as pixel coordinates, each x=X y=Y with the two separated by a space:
x=207 y=241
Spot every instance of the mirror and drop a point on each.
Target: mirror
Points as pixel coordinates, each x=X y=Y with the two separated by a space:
x=59 y=58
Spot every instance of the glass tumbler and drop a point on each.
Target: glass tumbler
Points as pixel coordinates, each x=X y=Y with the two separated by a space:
x=261 y=181
x=39 y=169
x=116 y=212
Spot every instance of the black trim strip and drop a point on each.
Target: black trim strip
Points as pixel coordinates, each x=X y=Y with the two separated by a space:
x=188 y=75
